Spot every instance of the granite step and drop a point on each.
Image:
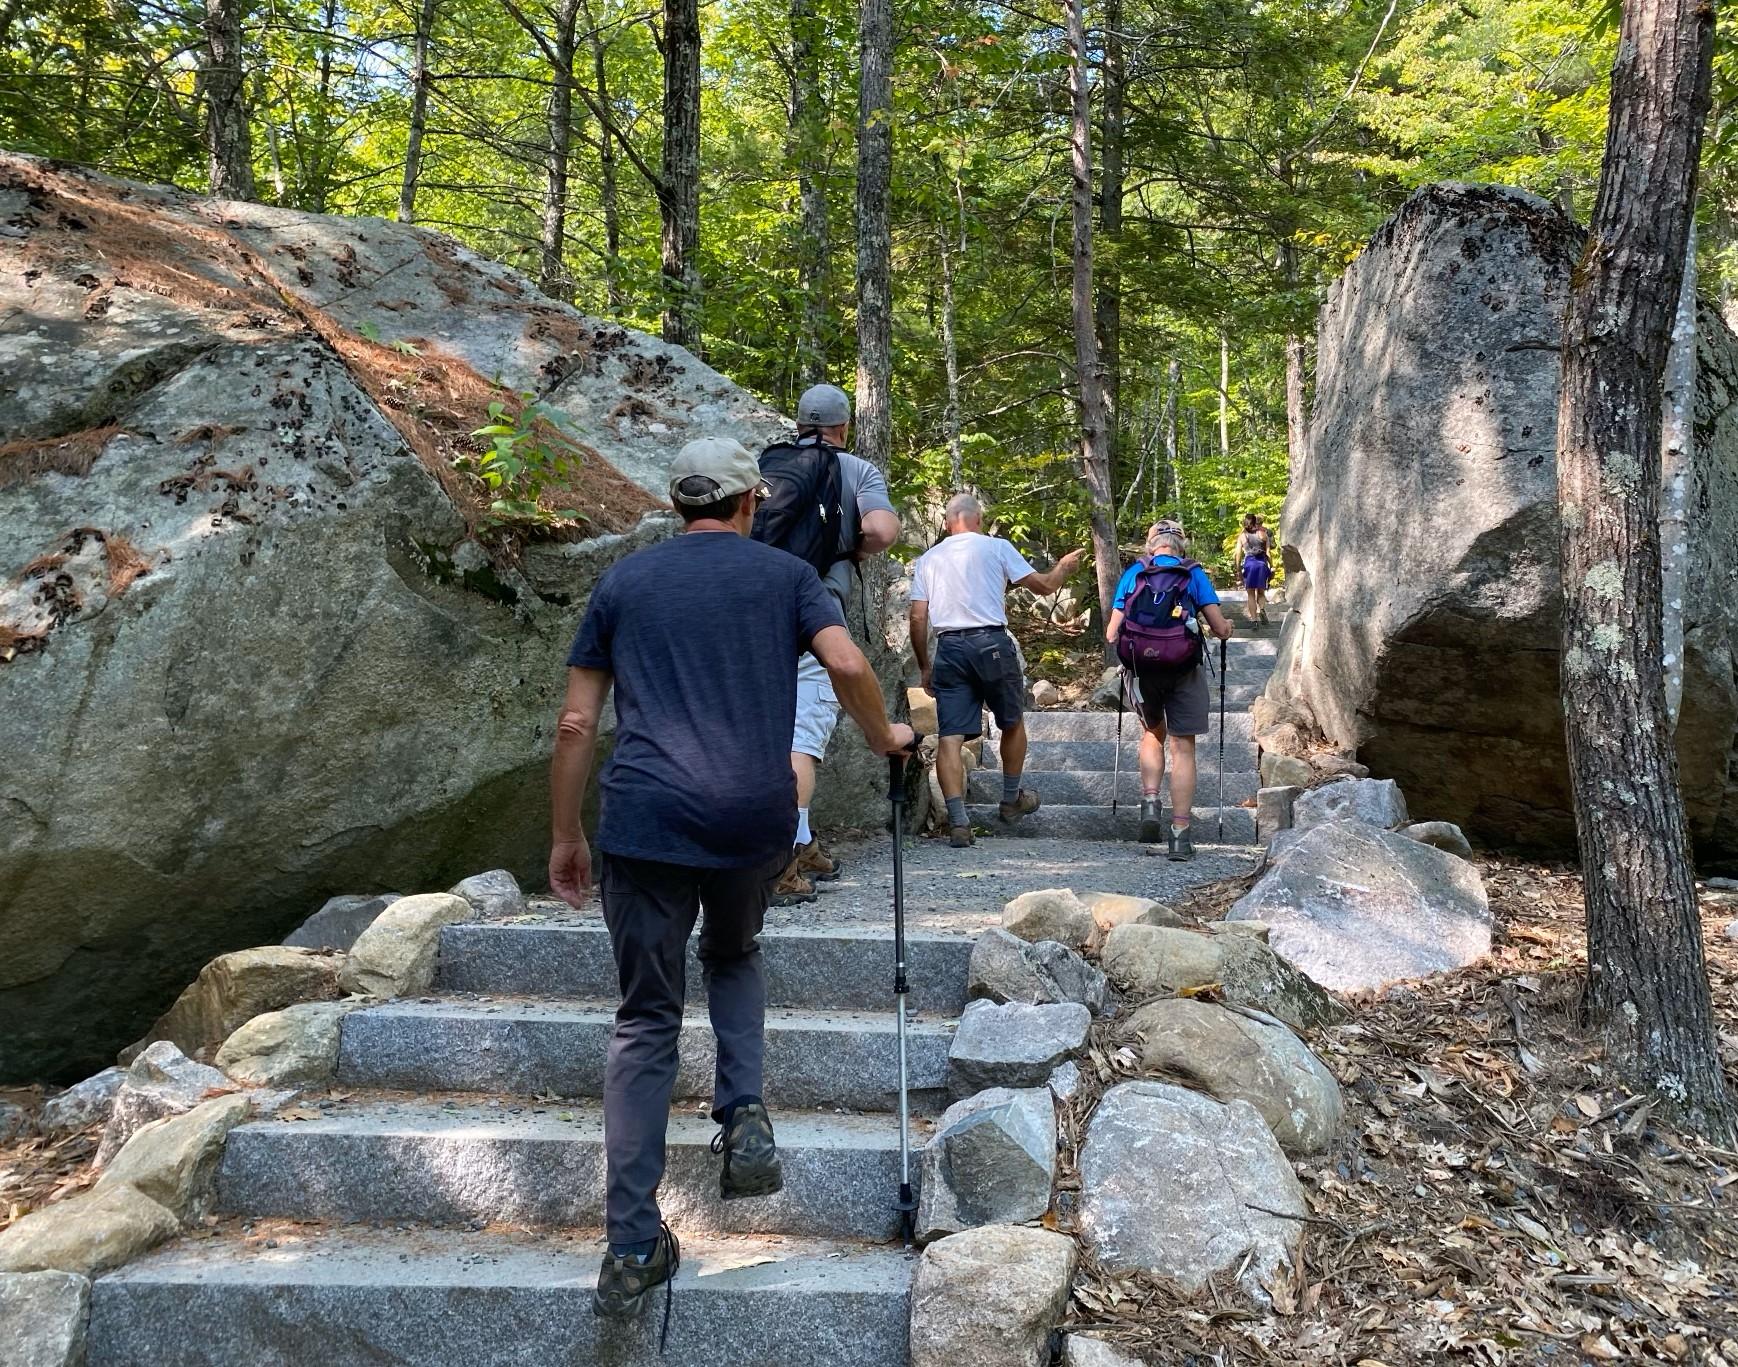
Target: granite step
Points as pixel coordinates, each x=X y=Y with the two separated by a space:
x=1075 y=787
x=834 y=968
x=1069 y=821
x=447 y=1298
x=542 y=1167
x=842 y=1059
x=1079 y=756
x=1046 y=727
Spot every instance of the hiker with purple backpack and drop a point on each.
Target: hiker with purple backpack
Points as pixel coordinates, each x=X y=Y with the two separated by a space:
x=1155 y=627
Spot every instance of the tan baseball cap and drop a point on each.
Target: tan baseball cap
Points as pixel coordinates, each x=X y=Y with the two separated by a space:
x=725 y=461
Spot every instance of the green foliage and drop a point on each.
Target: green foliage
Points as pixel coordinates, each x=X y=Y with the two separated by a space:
x=526 y=455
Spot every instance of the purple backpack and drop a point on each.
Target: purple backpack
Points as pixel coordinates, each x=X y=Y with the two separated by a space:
x=1160 y=633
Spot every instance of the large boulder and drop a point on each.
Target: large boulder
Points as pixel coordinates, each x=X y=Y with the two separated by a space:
x=256 y=647
x=1374 y=801
x=990 y=1297
x=42 y=1318
x=1005 y=968
x=1050 y=914
x=1236 y=1054
x=1158 y=961
x=1177 y=1184
x=1014 y=1045
x=1356 y=907
x=1425 y=522
x=234 y=988
x=89 y=1233
x=991 y=1161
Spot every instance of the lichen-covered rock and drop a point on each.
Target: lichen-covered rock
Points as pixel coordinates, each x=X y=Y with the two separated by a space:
x=1049 y=914
x=1426 y=518
x=1357 y=908
x=1285 y=771
x=492 y=894
x=339 y=921
x=1182 y=1186
x=1156 y=961
x=396 y=955
x=1242 y=1055
x=1374 y=801
x=1005 y=968
x=295 y=1047
x=234 y=988
x=161 y=1082
x=990 y=1297
x=89 y=1233
x=42 y=1318
x=1013 y=1045
x=991 y=1161
x=174 y=1161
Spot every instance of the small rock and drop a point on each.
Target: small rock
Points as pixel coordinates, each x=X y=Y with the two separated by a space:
x=1285 y=771
x=1329 y=765
x=492 y=894
x=1443 y=835
x=1273 y=807
x=297 y=1046
x=174 y=1161
x=1176 y=1184
x=1065 y=1081
x=1080 y=1351
x=922 y=711
x=90 y=1233
x=1112 y=909
x=1243 y=1056
x=14 y=1120
x=42 y=1318
x=337 y=924
x=991 y=1161
x=162 y=1082
x=1723 y=884
x=1109 y=694
x=395 y=957
x=1285 y=738
x=234 y=988
x=1005 y=968
x=1049 y=914
x=1375 y=801
x=1045 y=693
x=990 y=1297
x=1014 y=1045
x=1154 y=961
x=83 y=1103
x=1731 y=931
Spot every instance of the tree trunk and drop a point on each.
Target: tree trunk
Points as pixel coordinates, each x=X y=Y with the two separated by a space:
x=420 y=81
x=679 y=194
x=1113 y=88
x=553 y=277
x=228 y=146
x=1297 y=414
x=1094 y=457
x=606 y=162
x=875 y=232
x=1173 y=376
x=808 y=143
x=1224 y=398
x=1647 y=987
x=1678 y=423
x=951 y=363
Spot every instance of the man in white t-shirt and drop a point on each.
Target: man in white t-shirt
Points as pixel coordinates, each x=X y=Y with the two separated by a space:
x=959 y=587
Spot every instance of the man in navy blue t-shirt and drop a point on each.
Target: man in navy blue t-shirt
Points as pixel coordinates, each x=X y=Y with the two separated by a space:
x=700 y=636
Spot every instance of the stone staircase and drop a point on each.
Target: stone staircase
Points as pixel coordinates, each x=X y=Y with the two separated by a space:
x=442 y=1204
x=1071 y=763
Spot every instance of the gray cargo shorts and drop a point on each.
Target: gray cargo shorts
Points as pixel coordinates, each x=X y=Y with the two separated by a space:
x=1179 y=704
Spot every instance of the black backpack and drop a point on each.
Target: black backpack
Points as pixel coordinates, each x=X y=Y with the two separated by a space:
x=806 y=509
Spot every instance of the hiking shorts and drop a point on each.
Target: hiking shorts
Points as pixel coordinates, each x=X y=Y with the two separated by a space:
x=1257 y=573
x=973 y=670
x=817 y=708
x=1182 y=704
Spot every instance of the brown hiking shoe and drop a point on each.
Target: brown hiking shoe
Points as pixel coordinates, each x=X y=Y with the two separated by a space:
x=1024 y=805
x=816 y=863
x=960 y=837
x=792 y=887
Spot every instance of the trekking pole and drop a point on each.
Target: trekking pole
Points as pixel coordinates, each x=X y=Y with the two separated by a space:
x=907 y=1205
x=1221 y=740
x=1116 y=764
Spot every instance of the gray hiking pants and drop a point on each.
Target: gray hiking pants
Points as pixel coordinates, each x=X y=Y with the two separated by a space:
x=650 y=908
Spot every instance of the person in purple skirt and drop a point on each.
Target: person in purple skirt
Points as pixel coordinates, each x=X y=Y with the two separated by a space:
x=1255 y=559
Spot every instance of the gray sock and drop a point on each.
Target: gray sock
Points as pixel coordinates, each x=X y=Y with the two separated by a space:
x=956 y=811
x=1010 y=787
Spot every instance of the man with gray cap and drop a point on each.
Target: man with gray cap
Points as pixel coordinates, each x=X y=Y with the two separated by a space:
x=832 y=509
x=699 y=635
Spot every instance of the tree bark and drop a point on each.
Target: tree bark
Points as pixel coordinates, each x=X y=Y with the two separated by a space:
x=1173 y=376
x=679 y=193
x=1647 y=987
x=1677 y=440
x=875 y=232
x=606 y=165
x=553 y=277
x=420 y=83
x=1297 y=414
x=228 y=145
x=1094 y=456
x=951 y=364
x=1113 y=90
x=1224 y=398
x=808 y=141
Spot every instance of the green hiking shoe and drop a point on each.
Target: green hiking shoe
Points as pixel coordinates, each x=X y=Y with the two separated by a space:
x=751 y=1164
x=625 y=1283
x=1182 y=843
x=1152 y=821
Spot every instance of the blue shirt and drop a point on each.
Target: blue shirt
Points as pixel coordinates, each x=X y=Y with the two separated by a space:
x=702 y=634
x=1201 y=591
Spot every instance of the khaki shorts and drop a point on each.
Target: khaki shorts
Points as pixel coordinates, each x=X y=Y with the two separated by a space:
x=817 y=709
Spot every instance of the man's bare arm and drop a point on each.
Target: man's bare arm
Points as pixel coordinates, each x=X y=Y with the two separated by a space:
x=858 y=691
x=918 y=620
x=569 y=772
x=1053 y=578
x=879 y=530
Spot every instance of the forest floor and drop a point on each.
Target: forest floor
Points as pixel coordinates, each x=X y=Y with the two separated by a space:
x=1496 y=1199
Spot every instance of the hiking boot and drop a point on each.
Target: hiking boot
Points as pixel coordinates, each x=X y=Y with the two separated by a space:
x=1152 y=821
x=815 y=863
x=751 y=1166
x=960 y=837
x=1023 y=805
x=792 y=888
x=1182 y=843
x=625 y=1283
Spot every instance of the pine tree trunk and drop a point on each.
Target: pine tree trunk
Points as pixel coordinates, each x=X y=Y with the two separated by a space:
x=679 y=195
x=1094 y=457
x=874 y=440
x=1647 y=986
x=1678 y=423
x=1113 y=89
x=1224 y=399
x=228 y=146
x=1173 y=376
x=552 y=273
x=606 y=165
x=420 y=81
x=808 y=142
x=951 y=364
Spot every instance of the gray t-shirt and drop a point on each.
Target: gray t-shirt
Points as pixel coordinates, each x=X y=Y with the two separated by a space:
x=862 y=485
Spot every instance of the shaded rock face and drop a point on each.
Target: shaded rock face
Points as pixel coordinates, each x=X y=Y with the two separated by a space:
x=992 y=1160
x=1426 y=634
x=252 y=652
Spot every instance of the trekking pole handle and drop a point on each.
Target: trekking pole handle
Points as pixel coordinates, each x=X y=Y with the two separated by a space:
x=896 y=772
